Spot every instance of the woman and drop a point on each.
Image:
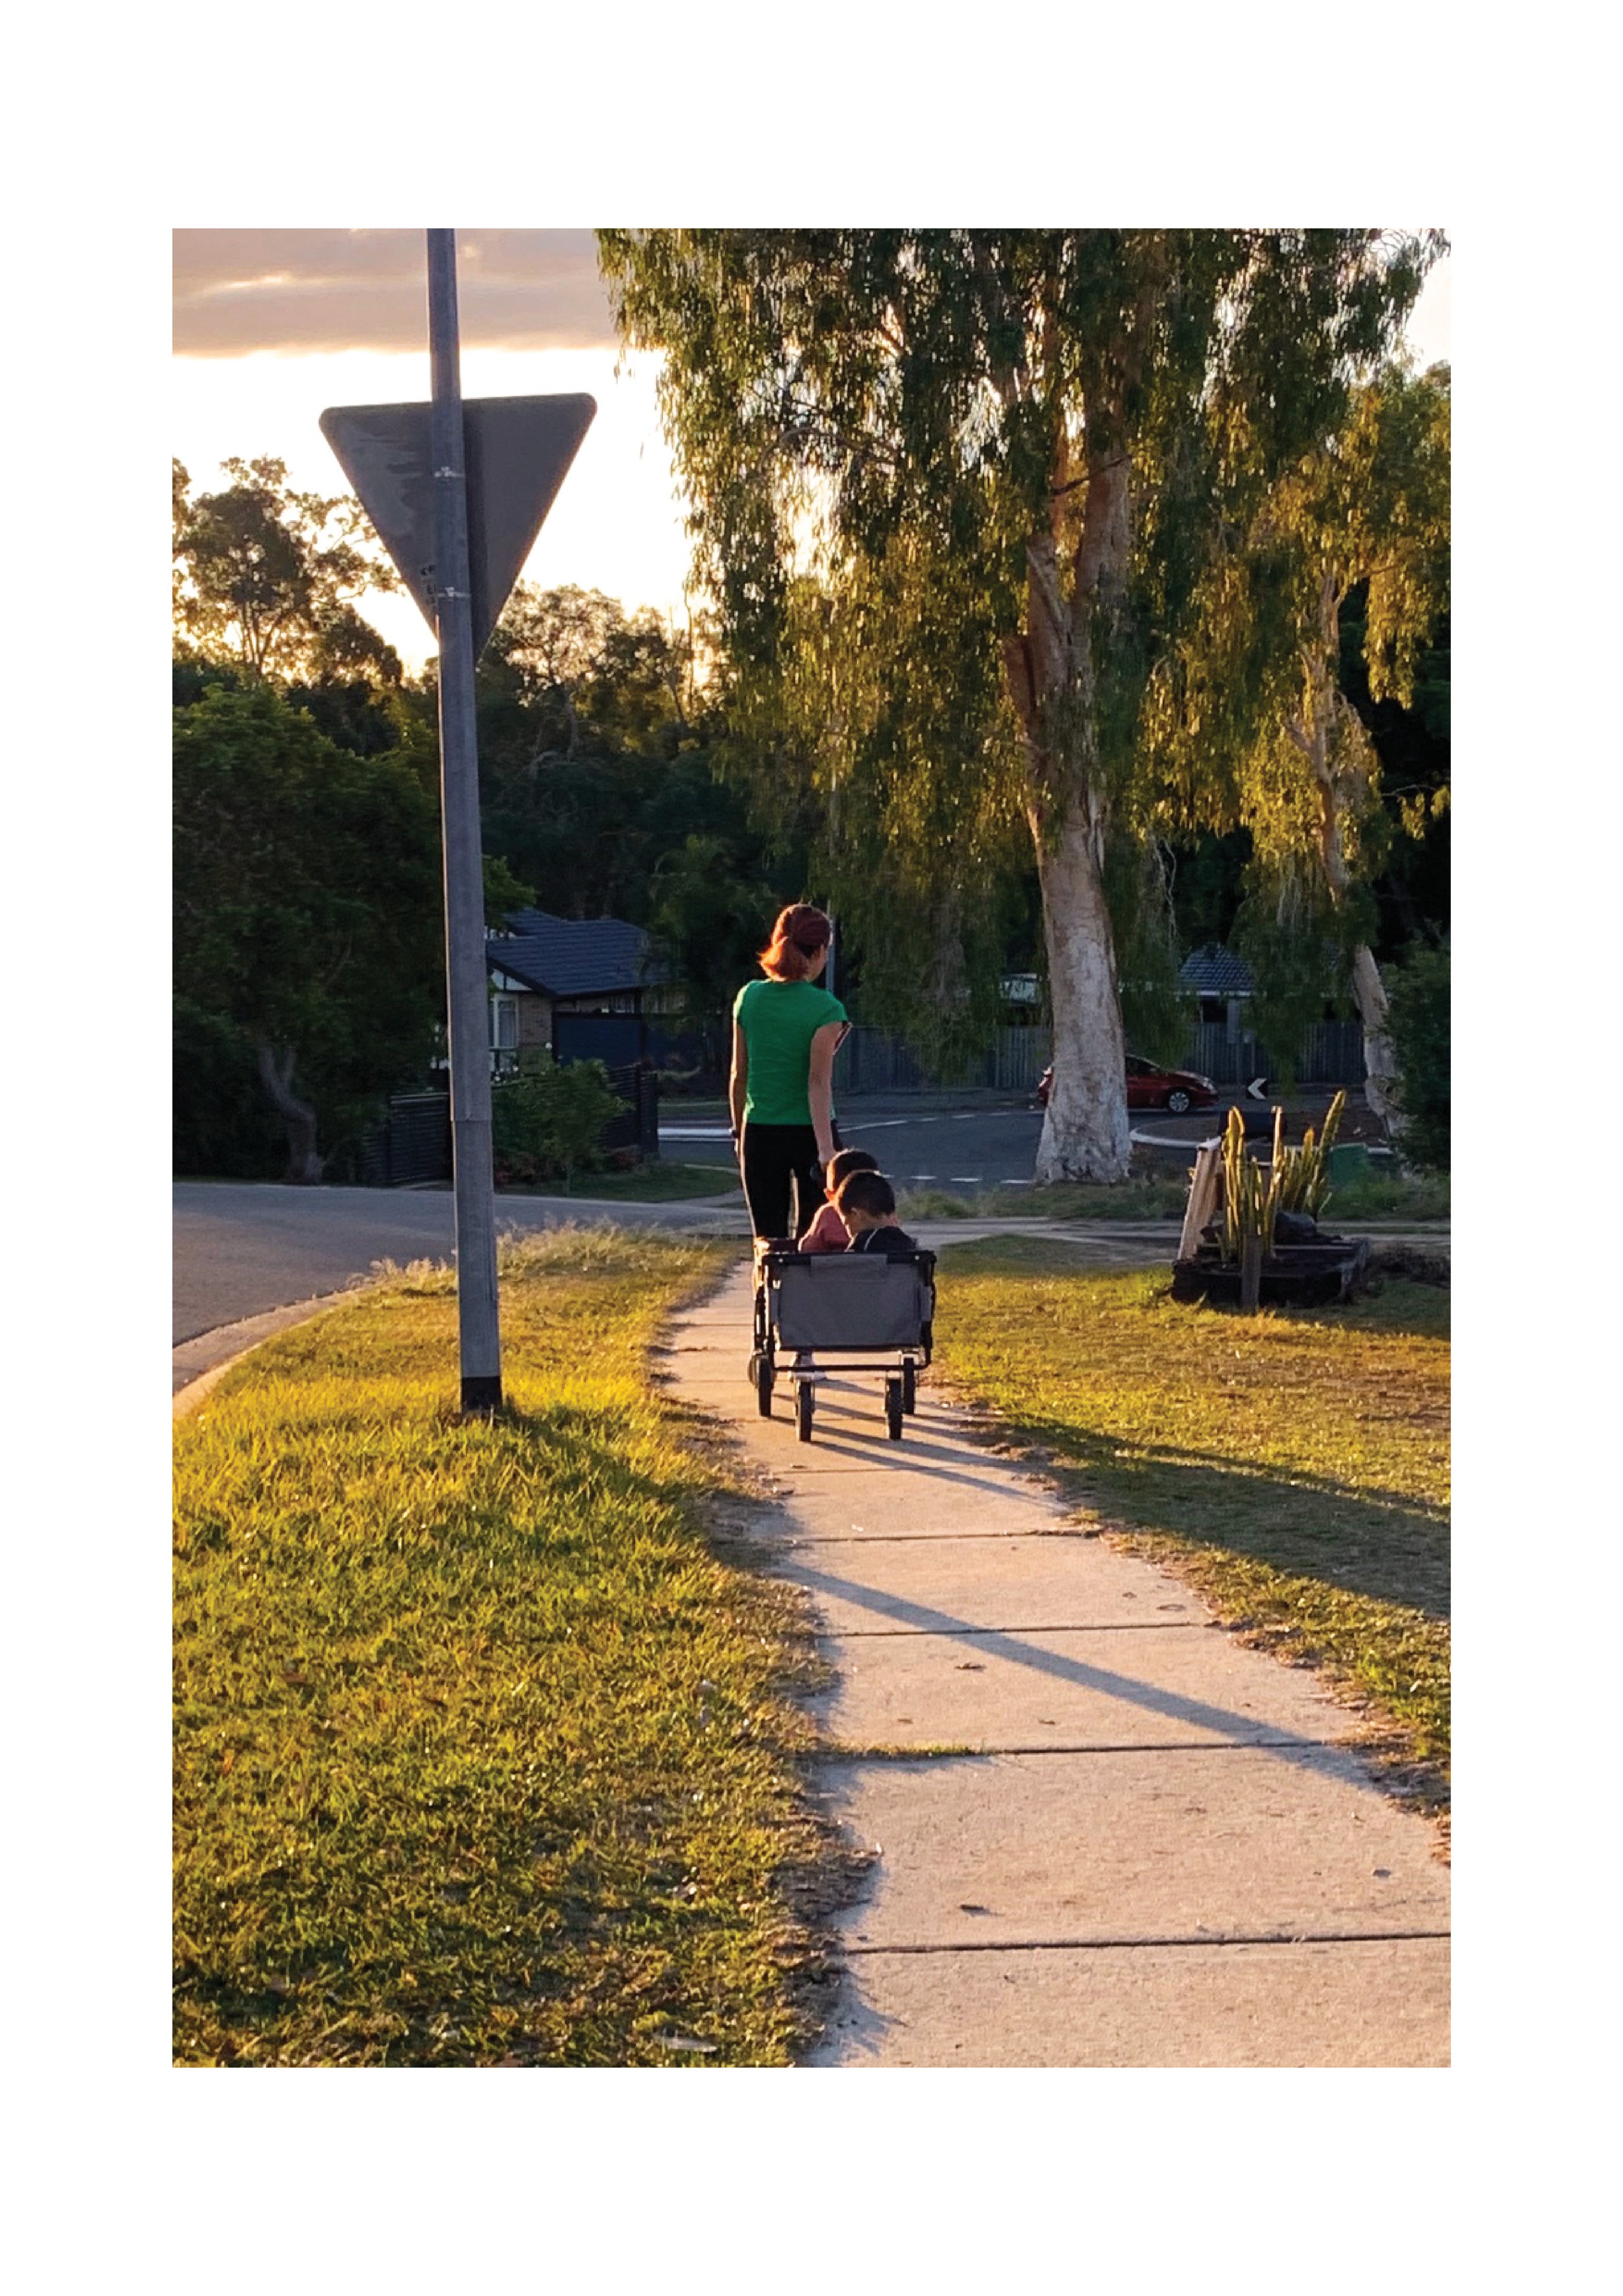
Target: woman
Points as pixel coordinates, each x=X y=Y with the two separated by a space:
x=785 y=1033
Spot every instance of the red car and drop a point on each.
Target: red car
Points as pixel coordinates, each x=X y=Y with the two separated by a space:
x=1176 y=1090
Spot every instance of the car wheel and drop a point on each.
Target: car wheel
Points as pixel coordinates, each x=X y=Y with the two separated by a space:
x=1177 y=1100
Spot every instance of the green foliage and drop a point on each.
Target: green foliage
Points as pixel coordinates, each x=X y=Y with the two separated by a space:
x=603 y=786
x=957 y=496
x=1155 y=1009
x=1418 y=995
x=548 y=1121
x=504 y=893
x=1298 y=945
x=269 y=575
x=306 y=915
x=1251 y=719
x=707 y=919
x=222 y=1121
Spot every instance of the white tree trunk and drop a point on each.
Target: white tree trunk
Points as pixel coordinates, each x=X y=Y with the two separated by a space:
x=1379 y=1068
x=1084 y=1125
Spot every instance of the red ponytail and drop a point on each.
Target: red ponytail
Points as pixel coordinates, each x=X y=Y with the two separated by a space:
x=798 y=938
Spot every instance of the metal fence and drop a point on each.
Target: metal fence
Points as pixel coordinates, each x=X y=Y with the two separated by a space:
x=637 y=1124
x=412 y=1143
x=1331 y=1053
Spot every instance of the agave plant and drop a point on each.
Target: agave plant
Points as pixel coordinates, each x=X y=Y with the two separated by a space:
x=1249 y=1201
x=1307 y=1169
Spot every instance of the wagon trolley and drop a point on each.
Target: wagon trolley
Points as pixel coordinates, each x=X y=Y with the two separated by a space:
x=852 y=1312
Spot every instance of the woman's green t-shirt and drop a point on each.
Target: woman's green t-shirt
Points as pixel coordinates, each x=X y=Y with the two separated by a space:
x=779 y=1019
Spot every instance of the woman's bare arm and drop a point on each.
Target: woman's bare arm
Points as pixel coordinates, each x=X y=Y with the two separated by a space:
x=738 y=1083
x=820 y=1085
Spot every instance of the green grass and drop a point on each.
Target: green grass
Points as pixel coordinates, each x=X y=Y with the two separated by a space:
x=1146 y=1198
x=648 y=1183
x=1389 y=1196
x=1292 y=1466
x=483 y=1752
x=1378 y=1196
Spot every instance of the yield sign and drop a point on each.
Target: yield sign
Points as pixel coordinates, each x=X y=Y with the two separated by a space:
x=516 y=452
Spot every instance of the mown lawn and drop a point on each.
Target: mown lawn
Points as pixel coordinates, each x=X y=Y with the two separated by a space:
x=483 y=1753
x=1292 y=1466
x=658 y=1183
x=1146 y=1198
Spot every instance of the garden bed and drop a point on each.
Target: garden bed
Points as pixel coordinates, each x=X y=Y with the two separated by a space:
x=1293 y=1275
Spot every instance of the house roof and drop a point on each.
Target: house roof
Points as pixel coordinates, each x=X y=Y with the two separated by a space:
x=573 y=957
x=1214 y=971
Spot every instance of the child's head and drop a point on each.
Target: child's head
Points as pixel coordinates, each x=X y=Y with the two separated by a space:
x=840 y=1167
x=866 y=1200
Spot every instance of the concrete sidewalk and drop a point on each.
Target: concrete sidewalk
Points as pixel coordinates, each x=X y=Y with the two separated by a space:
x=1156 y=1848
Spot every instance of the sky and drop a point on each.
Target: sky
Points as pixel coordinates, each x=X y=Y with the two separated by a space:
x=273 y=326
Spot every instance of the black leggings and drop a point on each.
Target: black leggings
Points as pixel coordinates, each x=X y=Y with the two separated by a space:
x=770 y=1157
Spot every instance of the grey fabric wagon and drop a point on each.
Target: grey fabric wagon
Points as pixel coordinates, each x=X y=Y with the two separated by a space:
x=847 y=1312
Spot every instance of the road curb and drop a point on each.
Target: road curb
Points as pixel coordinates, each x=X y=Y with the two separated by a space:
x=240 y=1340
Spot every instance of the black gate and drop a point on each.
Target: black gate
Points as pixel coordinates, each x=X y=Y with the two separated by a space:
x=412 y=1144
x=637 y=1124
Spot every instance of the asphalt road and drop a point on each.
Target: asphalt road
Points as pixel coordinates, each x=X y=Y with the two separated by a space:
x=946 y=1146
x=242 y=1249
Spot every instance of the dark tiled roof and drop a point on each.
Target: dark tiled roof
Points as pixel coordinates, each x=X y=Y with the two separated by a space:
x=1213 y=971
x=573 y=957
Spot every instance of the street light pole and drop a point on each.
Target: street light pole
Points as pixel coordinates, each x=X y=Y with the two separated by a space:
x=467 y=996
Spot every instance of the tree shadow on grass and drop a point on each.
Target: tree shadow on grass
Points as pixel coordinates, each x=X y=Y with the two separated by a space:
x=1378 y=1544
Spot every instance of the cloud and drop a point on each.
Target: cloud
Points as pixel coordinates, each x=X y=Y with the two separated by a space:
x=237 y=292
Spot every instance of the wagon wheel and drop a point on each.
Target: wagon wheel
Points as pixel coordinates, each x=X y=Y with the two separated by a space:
x=805 y=1400
x=893 y=1409
x=763 y=1386
x=910 y=1385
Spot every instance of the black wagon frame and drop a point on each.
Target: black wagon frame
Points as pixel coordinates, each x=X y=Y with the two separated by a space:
x=900 y=1360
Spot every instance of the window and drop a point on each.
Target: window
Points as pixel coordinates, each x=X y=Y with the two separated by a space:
x=504 y=1024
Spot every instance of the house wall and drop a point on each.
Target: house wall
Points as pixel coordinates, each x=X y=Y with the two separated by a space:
x=535 y=1021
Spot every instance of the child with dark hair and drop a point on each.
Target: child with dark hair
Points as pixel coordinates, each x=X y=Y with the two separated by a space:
x=866 y=1204
x=827 y=1232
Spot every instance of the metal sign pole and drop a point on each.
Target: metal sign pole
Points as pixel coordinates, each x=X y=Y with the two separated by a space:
x=466 y=989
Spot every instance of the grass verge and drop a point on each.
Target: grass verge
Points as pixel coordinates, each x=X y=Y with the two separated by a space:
x=1133 y=1200
x=483 y=1754
x=1292 y=1466
x=1376 y=1196
x=648 y=1183
x=1388 y=1195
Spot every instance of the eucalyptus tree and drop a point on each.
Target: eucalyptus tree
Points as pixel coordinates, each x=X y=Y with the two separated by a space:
x=1365 y=512
x=269 y=575
x=1005 y=456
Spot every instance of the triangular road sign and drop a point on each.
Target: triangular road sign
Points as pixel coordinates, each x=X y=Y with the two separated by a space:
x=516 y=453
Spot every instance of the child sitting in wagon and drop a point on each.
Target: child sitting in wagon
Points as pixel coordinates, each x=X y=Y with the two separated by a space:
x=828 y=1231
x=865 y=1202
